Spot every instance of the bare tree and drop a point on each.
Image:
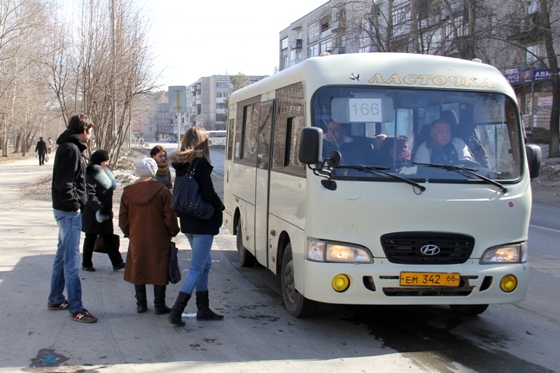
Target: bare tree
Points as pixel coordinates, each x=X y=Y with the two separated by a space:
x=22 y=94
x=528 y=30
x=102 y=68
x=238 y=81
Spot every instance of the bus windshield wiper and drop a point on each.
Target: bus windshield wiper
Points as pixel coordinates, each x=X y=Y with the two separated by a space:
x=381 y=170
x=465 y=170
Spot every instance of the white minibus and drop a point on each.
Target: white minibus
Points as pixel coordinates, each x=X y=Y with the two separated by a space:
x=217 y=138
x=382 y=178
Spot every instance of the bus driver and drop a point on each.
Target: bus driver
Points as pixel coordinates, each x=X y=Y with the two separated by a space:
x=441 y=148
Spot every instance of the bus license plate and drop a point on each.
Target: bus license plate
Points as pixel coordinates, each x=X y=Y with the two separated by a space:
x=429 y=279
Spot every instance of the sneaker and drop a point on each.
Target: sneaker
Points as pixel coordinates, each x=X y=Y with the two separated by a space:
x=118 y=267
x=60 y=306
x=89 y=269
x=83 y=315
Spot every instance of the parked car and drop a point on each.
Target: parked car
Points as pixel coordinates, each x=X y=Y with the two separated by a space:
x=172 y=139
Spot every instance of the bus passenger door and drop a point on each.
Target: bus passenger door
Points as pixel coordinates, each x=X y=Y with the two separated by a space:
x=263 y=182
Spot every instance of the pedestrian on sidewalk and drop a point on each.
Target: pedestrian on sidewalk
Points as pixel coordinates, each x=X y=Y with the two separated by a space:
x=159 y=154
x=97 y=216
x=41 y=150
x=146 y=219
x=49 y=145
x=69 y=197
x=195 y=155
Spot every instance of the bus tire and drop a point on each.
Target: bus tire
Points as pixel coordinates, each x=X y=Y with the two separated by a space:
x=246 y=259
x=468 y=309
x=295 y=303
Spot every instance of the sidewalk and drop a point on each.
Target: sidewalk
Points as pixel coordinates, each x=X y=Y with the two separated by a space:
x=34 y=339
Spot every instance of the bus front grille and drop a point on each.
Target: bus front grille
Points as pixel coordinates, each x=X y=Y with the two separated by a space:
x=427 y=247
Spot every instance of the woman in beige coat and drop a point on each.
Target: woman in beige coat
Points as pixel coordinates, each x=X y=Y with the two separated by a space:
x=145 y=218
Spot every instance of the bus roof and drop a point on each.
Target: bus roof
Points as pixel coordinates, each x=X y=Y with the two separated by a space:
x=398 y=70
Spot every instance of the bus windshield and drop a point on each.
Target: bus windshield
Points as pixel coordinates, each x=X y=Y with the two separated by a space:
x=414 y=132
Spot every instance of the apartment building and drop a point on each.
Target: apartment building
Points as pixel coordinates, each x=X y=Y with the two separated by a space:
x=207 y=99
x=456 y=28
x=160 y=123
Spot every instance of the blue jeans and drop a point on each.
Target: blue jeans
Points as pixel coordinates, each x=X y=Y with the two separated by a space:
x=201 y=262
x=67 y=260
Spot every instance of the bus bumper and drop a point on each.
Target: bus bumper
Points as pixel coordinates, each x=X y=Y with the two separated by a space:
x=379 y=283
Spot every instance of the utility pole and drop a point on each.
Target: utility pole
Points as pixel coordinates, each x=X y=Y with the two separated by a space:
x=177 y=107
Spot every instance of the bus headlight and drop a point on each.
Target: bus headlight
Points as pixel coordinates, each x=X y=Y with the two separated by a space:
x=325 y=251
x=514 y=253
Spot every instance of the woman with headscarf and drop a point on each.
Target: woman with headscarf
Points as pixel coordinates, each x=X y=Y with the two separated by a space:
x=146 y=219
x=159 y=154
x=97 y=216
x=195 y=156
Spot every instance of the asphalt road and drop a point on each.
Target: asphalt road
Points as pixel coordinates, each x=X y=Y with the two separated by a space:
x=257 y=334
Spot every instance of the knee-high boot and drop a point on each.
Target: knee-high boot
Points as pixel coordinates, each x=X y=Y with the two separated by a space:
x=141 y=301
x=203 y=306
x=175 y=317
x=159 y=300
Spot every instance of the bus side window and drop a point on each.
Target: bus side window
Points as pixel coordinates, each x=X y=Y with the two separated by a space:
x=230 y=139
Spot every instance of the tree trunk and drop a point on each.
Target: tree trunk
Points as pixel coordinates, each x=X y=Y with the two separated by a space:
x=554 y=79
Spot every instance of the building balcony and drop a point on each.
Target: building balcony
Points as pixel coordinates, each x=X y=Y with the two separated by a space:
x=297 y=43
x=529 y=30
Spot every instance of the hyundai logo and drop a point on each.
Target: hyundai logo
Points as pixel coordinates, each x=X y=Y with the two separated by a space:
x=430 y=250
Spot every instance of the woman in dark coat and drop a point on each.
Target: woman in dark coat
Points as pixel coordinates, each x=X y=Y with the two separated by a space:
x=146 y=219
x=97 y=216
x=195 y=155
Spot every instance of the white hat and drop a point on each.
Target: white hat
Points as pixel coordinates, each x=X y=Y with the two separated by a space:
x=146 y=167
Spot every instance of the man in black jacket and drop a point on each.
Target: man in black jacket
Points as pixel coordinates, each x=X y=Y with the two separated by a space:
x=69 y=197
x=41 y=150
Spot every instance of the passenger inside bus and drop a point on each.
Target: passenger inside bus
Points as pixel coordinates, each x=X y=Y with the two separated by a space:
x=442 y=148
x=394 y=153
x=352 y=151
x=376 y=143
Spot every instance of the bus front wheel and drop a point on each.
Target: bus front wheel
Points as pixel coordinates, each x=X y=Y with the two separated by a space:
x=295 y=303
x=246 y=259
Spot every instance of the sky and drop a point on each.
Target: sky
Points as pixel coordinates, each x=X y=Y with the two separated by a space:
x=196 y=38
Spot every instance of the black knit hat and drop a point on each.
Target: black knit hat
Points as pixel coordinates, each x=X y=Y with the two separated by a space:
x=99 y=156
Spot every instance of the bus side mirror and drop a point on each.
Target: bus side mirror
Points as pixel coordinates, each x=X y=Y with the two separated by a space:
x=534 y=159
x=311 y=145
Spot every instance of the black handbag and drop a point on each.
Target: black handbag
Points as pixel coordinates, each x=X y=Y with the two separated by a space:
x=174 y=271
x=101 y=247
x=187 y=200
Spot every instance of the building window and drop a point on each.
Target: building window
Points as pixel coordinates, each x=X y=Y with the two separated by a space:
x=460 y=25
x=284 y=43
x=325 y=27
x=222 y=85
x=313 y=50
x=532 y=54
x=532 y=6
x=342 y=41
x=326 y=46
x=295 y=55
x=313 y=32
x=284 y=62
x=401 y=15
